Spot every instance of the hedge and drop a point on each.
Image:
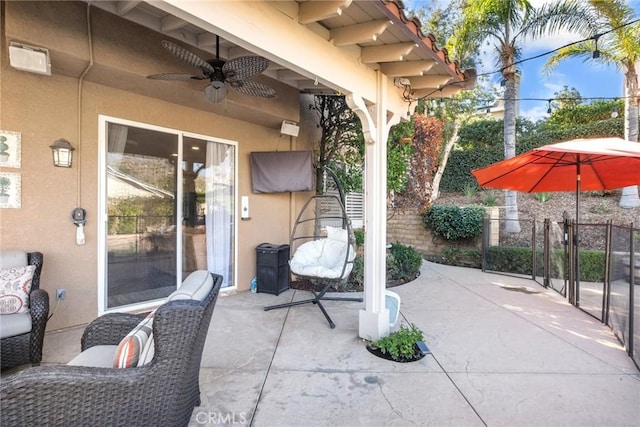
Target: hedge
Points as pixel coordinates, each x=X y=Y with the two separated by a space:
x=517 y=260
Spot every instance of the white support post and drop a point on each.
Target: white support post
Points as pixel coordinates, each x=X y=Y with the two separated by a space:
x=374 y=319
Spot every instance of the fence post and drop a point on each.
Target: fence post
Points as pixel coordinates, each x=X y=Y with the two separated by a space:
x=606 y=292
x=632 y=267
x=486 y=230
x=534 y=255
x=546 y=253
x=572 y=264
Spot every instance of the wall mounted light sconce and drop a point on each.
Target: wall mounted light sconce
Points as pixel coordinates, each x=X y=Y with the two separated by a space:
x=62 y=153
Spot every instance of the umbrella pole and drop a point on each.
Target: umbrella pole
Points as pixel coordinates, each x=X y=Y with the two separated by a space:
x=576 y=240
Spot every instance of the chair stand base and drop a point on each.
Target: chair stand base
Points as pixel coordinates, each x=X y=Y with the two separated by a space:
x=317 y=301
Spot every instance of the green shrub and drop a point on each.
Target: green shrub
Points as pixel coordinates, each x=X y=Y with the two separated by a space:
x=517 y=260
x=462 y=257
x=453 y=222
x=359 y=235
x=508 y=259
x=403 y=262
x=356 y=278
x=401 y=343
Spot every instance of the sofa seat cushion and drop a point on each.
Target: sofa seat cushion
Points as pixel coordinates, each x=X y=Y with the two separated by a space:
x=14 y=324
x=99 y=356
x=15 y=285
x=196 y=286
x=10 y=259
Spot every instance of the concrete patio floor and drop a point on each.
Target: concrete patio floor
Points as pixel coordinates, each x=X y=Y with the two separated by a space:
x=505 y=352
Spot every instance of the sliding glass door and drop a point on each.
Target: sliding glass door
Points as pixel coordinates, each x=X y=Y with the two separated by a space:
x=169 y=201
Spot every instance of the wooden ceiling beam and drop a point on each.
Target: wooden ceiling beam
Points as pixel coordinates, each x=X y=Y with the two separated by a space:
x=406 y=68
x=359 y=33
x=429 y=81
x=386 y=53
x=314 y=11
x=125 y=7
x=171 y=23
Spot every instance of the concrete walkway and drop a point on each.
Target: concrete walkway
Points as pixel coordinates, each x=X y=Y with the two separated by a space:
x=505 y=352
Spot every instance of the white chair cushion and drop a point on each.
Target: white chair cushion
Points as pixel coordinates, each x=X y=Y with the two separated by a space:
x=98 y=356
x=14 y=324
x=323 y=258
x=196 y=286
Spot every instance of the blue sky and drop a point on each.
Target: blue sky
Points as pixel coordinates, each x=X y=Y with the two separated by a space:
x=591 y=80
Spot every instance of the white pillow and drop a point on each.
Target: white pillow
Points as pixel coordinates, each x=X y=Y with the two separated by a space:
x=15 y=285
x=339 y=234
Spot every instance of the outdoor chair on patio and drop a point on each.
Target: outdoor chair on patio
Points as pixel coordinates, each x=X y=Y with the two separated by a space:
x=322 y=245
x=22 y=328
x=161 y=388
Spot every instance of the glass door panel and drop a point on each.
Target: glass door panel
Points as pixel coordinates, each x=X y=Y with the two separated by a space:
x=208 y=225
x=141 y=224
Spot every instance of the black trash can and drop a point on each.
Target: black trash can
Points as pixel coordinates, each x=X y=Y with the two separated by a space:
x=272 y=270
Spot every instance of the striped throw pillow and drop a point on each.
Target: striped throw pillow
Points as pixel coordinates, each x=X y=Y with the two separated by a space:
x=132 y=346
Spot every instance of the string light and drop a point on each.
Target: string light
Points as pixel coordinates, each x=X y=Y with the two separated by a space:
x=596 y=53
x=549 y=106
x=614 y=112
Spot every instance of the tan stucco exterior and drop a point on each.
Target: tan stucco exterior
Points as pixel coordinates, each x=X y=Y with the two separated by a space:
x=44 y=108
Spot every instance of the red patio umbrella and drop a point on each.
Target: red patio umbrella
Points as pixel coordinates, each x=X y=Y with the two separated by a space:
x=580 y=164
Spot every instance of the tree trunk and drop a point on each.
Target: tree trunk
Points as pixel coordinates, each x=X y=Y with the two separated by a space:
x=630 y=197
x=512 y=224
x=435 y=187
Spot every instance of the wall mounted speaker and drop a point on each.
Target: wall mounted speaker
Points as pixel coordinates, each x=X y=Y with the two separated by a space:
x=289 y=128
x=29 y=58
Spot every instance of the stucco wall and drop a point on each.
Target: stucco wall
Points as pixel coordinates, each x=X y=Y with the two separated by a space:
x=45 y=108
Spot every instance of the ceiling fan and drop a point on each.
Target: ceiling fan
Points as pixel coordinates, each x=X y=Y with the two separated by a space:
x=237 y=73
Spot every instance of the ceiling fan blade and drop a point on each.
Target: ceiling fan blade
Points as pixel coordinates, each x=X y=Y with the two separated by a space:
x=215 y=92
x=174 y=76
x=252 y=88
x=188 y=57
x=244 y=67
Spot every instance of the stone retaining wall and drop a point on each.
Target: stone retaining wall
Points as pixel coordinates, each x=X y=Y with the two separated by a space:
x=407 y=228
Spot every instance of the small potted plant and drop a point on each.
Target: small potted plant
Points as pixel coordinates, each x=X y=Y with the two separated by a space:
x=4 y=154
x=4 y=186
x=403 y=345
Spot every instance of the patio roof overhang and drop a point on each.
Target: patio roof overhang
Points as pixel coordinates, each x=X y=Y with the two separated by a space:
x=368 y=51
x=345 y=43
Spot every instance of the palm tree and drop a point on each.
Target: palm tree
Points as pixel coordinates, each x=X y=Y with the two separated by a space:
x=508 y=23
x=605 y=22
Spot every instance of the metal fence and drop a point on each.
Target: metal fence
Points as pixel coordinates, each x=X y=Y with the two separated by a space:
x=589 y=264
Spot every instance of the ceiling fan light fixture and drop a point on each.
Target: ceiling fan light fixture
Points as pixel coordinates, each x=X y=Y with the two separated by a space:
x=215 y=92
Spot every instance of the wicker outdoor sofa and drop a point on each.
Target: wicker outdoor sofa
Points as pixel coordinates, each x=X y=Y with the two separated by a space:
x=22 y=346
x=163 y=392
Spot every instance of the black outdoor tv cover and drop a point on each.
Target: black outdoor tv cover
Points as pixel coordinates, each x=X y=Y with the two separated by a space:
x=281 y=171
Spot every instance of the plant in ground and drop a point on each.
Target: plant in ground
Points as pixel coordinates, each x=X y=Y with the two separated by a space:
x=543 y=197
x=401 y=343
x=490 y=199
x=470 y=190
x=403 y=262
x=453 y=222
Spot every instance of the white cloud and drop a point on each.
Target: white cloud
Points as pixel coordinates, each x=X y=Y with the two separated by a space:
x=535 y=113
